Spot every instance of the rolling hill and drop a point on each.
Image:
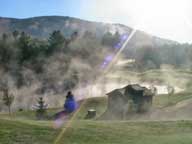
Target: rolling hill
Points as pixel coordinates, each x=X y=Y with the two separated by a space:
x=58 y=70
x=41 y=27
x=41 y=74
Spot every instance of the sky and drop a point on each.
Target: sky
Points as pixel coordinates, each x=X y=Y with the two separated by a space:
x=170 y=19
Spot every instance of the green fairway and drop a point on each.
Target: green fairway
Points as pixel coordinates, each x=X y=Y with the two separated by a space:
x=92 y=132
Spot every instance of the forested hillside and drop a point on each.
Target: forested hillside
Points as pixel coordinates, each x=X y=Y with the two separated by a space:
x=60 y=58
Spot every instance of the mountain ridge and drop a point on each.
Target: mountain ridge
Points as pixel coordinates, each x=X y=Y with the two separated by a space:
x=42 y=26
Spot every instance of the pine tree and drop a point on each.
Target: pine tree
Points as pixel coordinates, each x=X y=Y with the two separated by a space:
x=15 y=34
x=7 y=99
x=24 y=47
x=41 y=108
x=56 y=42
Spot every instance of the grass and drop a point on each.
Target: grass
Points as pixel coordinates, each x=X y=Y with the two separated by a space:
x=24 y=129
x=97 y=132
x=98 y=103
x=162 y=101
x=16 y=132
x=129 y=132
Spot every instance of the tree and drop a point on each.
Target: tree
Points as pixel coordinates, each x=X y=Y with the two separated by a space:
x=6 y=52
x=56 y=42
x=88 y=34
x=4 y=37
x=116 y=37
x=147 y=57
x=110 y=40
x=7 y=98
x=41 y=108
x=15 y=34
x=170 y=91
x=74 y=35
x=24 y=47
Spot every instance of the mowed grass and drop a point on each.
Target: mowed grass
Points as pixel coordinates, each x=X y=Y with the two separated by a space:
x=97 y=132
x=23 y=128
x=16 y=132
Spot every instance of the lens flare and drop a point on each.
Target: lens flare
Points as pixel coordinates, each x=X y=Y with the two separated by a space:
x=107 y=60
x=107 y=64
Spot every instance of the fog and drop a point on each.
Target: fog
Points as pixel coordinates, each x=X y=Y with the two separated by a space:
x=100 y=90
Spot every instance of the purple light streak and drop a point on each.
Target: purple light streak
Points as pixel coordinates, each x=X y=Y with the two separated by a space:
x=107 y=60
x=117 y=46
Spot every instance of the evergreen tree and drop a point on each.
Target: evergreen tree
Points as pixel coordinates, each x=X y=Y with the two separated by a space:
x=110 y=39
x=5 y=52
x=56 y=42
x=24 y=47
x=15 y=34
x=74 y=35
x=4 y=37
x=41 y=108
x=7 y=98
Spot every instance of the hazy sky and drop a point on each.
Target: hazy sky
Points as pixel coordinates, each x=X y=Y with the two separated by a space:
x=165 y=18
